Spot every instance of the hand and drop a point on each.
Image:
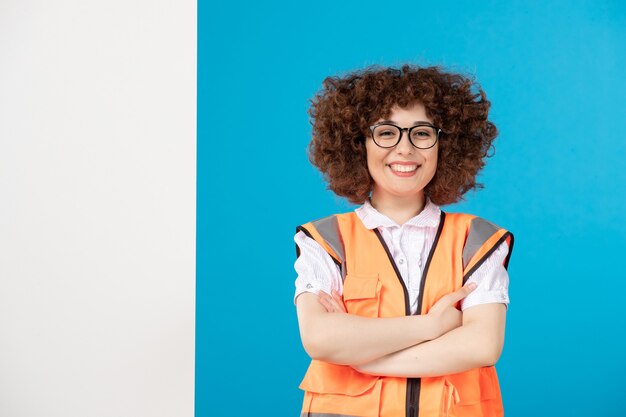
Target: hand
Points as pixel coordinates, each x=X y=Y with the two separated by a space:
x=332 y=304
x=445 y=315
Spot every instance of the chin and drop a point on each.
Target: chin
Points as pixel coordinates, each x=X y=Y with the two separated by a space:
x=408 y=193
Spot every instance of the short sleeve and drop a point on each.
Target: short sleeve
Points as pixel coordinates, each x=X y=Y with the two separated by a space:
x=492 y=280
x=316 y=270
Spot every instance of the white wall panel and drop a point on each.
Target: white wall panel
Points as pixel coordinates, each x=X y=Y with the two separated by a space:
x=97 y=207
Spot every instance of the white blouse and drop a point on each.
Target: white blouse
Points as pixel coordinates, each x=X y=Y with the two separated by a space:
x=318 y=272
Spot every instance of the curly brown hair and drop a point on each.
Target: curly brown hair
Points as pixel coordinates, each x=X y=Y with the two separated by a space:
x=346 y=106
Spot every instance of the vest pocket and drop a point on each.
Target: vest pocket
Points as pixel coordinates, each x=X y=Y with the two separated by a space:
x=361 y=294
x=339 y=389
x=472 y=393
x=449 y=398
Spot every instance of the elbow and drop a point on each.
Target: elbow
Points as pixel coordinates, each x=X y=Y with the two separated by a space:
x=321 y=348
x=492 y=355
x=315 y=346
x=313 y=350
x=490 y=360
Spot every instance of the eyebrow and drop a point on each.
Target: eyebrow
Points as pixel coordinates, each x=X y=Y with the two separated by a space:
x=414 y=123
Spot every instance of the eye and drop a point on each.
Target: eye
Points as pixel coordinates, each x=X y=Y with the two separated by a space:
x=423 y=132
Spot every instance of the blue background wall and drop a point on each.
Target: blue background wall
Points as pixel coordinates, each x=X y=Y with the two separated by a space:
x=555 y=75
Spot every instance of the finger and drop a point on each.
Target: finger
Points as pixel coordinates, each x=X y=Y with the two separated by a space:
x=461 y=293
x=339 y=301
x=323 y=296
x=324 y=302
x=330 y=304
x=337 y=305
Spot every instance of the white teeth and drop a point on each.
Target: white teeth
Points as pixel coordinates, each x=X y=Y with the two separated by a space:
x=403 y=168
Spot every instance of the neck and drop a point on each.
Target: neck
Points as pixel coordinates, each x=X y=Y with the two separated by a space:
x=398 y=209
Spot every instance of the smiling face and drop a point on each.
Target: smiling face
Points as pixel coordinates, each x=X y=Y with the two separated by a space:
x=403 y=171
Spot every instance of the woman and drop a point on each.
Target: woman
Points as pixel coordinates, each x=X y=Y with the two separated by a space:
x=378 y=288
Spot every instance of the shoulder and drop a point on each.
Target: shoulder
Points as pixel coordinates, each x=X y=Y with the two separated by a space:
x=483 y=239
x=473 y=222
x=326 y=220
x=327 y=232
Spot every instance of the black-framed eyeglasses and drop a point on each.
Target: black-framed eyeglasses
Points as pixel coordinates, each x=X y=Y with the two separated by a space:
x=421 y=136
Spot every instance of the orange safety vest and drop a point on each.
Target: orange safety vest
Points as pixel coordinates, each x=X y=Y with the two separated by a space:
x=373 y=287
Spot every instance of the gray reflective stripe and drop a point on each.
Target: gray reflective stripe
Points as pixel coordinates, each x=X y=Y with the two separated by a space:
x=328 y=228
x=325 y=415
x=480 y=231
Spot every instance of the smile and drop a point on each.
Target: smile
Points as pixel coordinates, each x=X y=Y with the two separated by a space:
x=403 y=168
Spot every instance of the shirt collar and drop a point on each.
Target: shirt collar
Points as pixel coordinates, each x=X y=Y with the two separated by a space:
x=372 y=218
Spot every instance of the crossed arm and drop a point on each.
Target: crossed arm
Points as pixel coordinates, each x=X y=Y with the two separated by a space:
x=477 y=342
x=444 y=341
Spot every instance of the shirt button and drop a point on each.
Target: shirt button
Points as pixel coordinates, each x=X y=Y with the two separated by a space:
x=400 y=261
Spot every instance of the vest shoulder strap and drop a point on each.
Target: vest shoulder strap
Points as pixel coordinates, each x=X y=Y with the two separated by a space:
x=483 y=238
x=326 y=232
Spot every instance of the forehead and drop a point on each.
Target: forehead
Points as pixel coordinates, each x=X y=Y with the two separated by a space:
x=414 y=112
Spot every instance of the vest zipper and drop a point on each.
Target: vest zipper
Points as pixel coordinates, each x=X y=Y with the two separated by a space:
x=413 y=385
x=413 y=396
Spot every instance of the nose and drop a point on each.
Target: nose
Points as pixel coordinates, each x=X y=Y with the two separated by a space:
x=405 y=147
